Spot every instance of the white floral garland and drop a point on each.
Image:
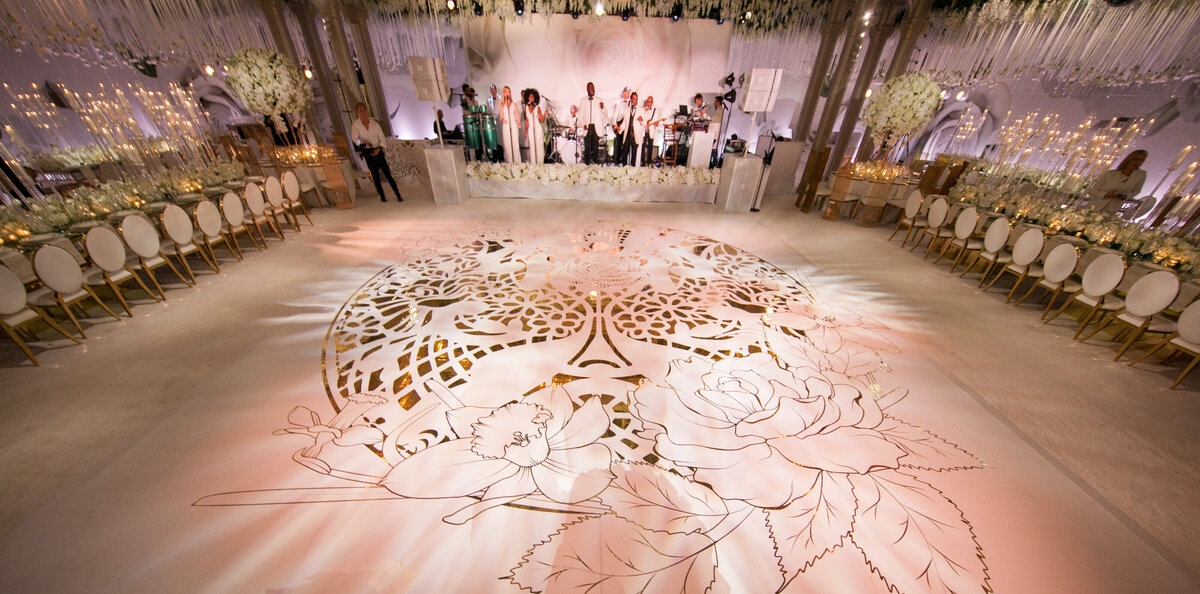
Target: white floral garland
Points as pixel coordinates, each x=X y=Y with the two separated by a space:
x=585 y=175
x=902 y=106
x=267 y=83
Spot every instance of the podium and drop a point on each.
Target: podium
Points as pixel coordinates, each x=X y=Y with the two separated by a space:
x=701 y=151
x=447 y=174
x=741 y=183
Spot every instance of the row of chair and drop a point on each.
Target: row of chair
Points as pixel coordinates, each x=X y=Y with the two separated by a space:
x=1094 y=282
x=55 y=276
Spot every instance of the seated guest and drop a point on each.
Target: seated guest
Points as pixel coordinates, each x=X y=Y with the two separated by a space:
x=439 y=127
x=1110 y=191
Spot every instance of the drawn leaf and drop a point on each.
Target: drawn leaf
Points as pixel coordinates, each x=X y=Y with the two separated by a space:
x=747 y=558
x=659 y=500
x=915 y=538
x=925 y=450
x=575 y=558
x=814 y=524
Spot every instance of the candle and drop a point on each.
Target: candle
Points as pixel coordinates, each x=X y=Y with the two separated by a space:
x=1179 y=159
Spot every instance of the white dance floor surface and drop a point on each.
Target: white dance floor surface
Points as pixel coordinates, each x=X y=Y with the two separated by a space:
x=510 y=397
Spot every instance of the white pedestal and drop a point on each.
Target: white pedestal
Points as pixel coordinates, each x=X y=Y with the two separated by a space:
x=701 y=151
x=786 y=167
x=447 y=174
x=741 y=182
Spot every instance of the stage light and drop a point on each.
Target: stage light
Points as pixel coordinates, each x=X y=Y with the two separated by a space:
x=730 y=95
x=478 y=9
x=960 y=95
x=519 y=6
x=676 y=11
x=868 y=94
x=450 y=4
x=720 y=20
x=208 y=69
x=307 y=73
x=625 y=14
x=749 y=14
x=574 y=14
x=599 y=9
x=729 y=80
x=944 y=93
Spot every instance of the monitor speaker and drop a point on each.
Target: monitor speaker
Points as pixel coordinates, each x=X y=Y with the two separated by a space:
x=761 y=89
x=429 y=78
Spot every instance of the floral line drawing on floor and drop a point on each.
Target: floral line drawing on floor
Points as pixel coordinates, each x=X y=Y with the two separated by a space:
x=696 y=418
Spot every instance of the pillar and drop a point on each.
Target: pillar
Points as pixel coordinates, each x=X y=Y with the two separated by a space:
x=306 y=15
x=284 y=44
x=916 y=20
x=835 y=23
x=364 y=49
x=335 y=28
x=866 y=74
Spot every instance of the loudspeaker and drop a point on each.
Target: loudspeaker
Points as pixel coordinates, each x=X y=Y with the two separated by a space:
x=761 y=89
x=429 y=78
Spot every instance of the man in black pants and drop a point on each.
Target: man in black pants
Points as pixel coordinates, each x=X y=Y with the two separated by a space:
x=368 y=137
x=591 y=117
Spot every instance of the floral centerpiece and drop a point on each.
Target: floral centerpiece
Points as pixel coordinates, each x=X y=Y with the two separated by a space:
x=902 y=106
x=583 y=175
x=267 y=83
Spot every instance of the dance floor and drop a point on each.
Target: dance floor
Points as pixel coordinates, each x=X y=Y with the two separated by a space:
x=541 y=396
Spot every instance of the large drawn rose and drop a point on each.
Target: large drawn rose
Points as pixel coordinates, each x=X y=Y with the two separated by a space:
x=756 y=432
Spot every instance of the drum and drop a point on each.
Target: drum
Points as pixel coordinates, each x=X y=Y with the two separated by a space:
x=471 y=130
x=491 y=135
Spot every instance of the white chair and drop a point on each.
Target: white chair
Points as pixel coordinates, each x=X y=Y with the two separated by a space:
x=258 y=212
x=1185 y=338
x=16 y=311
x=107 y=252
x=1099 y=279
x=19 y=264
x=1149 y=296
x=208 y=219
x=143 y=240
x=936 y=218
x=994 y=240
x=235 y=218
x=911 y=217
x=964 y=228
x=1025 y=251
x=182 y=234
x=277 y=204
x=59 y=271
x=1056 y=270
x=293 y=192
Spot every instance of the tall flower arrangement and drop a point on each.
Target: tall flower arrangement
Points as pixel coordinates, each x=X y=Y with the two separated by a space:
x=267 y=83
x=902 y=106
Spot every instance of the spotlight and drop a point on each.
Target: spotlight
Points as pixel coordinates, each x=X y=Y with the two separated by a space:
x=944 y=93
x=749 y=14
x=574 y=14
x=478 y=9
x=599 y=9
x=307 y=73
x=450 y=5
x=208 y=69
x=960 y=95
x=625 y=14
x=676 y=11
x=519 y=6
x=730 y=95
x=720 y=19
x=868 y=93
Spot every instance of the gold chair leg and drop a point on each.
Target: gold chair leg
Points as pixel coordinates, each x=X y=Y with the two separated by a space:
x=210 y=260
x=70 y=315
x=179 y=276
x=1027 y=294
x=1186 y=371
x=100 y=302
x=50 y=322
x=1132 y=338
x=1064 y=307
x=898 y=226
x=186 y=268
x=121 y=298
x=21 y=344
x=231 y=242
x=1104 y=322
x=1165 y=342
x=1013 y=291
x=138 y=278
x=995 y=280
x=986 y=271
x=154 y=280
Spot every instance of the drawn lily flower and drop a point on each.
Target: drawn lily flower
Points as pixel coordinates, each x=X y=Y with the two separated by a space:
x=511 y=452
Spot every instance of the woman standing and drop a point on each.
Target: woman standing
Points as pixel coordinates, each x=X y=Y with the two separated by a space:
x=510 y=127
x=1113 y=188
x=535 y=120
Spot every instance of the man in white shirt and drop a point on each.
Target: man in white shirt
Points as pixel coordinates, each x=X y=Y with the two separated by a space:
x=368 y=138
x=650 y=122
x=592 y=117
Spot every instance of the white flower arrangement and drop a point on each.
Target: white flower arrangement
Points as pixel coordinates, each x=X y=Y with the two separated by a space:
x=902 y=106
x=585 y=175
x=267 y=83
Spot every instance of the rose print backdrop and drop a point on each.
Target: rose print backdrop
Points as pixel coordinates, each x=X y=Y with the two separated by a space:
x=686 y=415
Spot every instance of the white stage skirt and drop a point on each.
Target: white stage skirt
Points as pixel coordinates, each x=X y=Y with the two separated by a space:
x=487 y=188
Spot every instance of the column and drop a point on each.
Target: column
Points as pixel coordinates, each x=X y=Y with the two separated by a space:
x=320 y=67
x=360 y=33
x=835 y=23
x=283 y=42
x=866 y=74
x=916 y=20
x=814 y=171
x=335 y=28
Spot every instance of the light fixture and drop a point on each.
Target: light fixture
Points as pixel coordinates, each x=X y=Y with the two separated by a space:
x=599 y=9
x=519 y=6
x=749 y=14
x=625 y=14
x=450 y=5
x=868 y=93
x=307 y=73
x=960 y=95
x=478 y=9
x=208 y=69
x=944 y=93
x=676 y=11
x=720 y=20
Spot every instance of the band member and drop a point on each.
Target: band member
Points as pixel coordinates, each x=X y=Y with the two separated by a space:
x=493 y=103
x=718 y=116
x=493 y=99
x=650 y=123
x=592 y=117
x=535 y=120
x=510 y=126
x=369 y=140
x=628 y=141
x=620 y=114
x=698 y=113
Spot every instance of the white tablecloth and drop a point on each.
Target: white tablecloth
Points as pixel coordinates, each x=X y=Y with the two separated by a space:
x=706 y=194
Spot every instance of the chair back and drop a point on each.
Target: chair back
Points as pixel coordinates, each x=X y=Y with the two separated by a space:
x=254 y=200
x=291 y=185
x=208 y=218
x=105 y=248
x=231 y=207
x=58 y=269
x=1189 y=323
x=1103 y=275
x=177 y=224
x=1060 y=263
x=140 y=236
x=274 y=192
x=12 y=292
x=1028 y=247
x=964 y=226
x=937 y=213
x=997 y=236
x=1152 y=293
x=913 y=206
x=19 y=264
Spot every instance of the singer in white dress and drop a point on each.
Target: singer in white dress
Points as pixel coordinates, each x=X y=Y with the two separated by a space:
x=535 y=130
x=509 y=114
